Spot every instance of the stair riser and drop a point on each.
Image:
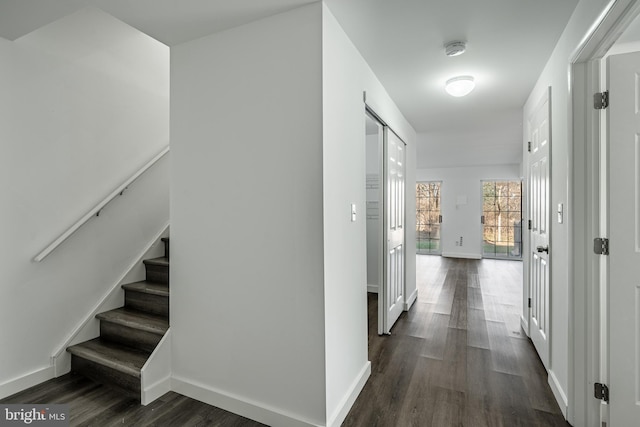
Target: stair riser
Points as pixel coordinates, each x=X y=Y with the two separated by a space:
x=106 y=375
x=135 y=338
x=157 y=273
x=149 y=303
x=166 y=248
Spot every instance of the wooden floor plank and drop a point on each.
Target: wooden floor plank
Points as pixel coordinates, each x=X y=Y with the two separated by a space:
x=454 y=359
x=475 y=367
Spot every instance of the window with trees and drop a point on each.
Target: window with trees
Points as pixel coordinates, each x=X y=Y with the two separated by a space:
x=502 y=219
x=428 y=217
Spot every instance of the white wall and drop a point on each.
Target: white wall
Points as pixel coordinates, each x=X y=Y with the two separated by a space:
x=555 y=74
x=247 y=300
x=270 y=317
x=463 y=219
x=492 y=144
x=346 y=76
x=85 y=105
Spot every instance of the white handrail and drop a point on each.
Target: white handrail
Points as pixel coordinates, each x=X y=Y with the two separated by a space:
x=96 y=210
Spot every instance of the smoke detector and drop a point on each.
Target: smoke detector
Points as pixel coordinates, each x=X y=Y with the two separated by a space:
x=455 y=48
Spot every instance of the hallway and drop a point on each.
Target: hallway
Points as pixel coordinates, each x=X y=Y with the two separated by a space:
x=459 y=356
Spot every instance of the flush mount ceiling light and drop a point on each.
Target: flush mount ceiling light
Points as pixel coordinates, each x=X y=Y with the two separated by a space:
x=460 y=86
x=455 y=48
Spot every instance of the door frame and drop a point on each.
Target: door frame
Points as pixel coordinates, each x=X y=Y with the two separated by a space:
x=439 y=252
x=522 y=219
x=383 y=208
x=587 y=299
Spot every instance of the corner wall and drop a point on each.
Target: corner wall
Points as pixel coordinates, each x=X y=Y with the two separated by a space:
x=555 y=74
x=84 y=106
x=247 y=301
x=345 y=77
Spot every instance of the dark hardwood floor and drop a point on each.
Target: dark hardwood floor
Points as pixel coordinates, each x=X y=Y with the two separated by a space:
x=459 y=356
x=93 y=404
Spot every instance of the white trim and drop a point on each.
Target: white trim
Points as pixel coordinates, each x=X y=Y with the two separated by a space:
x=461 y=255
x=157 y=371
x=60 y=360
x=96 y=209
x=23 y=382
x=409 y=301
x=155 y=390
x=238 y=404
x=558 y=393
x=349 y=399
x=585 y=349
x=373 y=289
x=524 y=324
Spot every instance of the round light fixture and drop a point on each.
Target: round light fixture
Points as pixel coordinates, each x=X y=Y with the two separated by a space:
x=455 y=48
x=460 y=86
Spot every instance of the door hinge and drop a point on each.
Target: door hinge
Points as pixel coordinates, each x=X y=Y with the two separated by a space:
x=529 y=302
x=601 y=392
x=529 y=146
x=601 y=246
x=530 y=225
x=601 y=100
x=440 y=219
x=482 y=219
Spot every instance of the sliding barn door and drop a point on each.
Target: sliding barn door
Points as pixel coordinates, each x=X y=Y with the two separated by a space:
x=394 y=254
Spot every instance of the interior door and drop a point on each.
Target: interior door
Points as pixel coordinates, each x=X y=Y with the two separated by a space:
x=539 y=285
x=394 y=253
x=623 y=123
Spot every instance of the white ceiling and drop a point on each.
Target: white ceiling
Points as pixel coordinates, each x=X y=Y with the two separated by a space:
x=509 y=42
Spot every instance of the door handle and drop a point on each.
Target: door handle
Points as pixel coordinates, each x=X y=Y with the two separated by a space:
x=542 y=249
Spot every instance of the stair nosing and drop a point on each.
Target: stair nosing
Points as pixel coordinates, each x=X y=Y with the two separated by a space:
x=131 y=287
x=104 y=317
x=160 y=261
x=90 y=354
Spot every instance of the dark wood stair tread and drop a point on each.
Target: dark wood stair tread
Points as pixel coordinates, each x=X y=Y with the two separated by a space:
x=162 y=261
x=123 y=359
x=136 y=319
x=148 y=288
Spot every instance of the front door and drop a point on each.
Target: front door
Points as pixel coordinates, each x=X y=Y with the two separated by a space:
x=394 y=254
x=539 y=286
x=623 y=122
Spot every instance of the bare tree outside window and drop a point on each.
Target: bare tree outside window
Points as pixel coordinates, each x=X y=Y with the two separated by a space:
x=428 y=217
x=502 y=219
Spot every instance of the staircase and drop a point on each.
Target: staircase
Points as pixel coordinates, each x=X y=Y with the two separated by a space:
x=128 y=335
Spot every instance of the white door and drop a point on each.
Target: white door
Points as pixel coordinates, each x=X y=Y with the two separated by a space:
x=538 y=255
x=623 y=123
x=392 y=302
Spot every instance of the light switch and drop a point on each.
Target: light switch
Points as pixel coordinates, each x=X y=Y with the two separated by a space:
x=353 y=212
x=560 y=213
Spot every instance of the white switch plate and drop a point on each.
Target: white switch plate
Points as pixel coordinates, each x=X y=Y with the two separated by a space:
x=353 y=212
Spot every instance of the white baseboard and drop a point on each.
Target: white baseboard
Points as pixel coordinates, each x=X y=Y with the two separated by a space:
x=155 y=375
x=349 y=399
x=23 y=382
x=524 y=324
x=237 y=404
x=409 y=301
x=558 y=393
x=373 y=289
x=155 y=391
x=461 y=255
